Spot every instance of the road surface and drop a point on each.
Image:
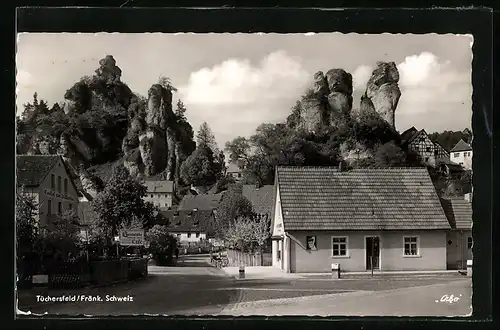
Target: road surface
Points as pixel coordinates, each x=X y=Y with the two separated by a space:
x=195 y=288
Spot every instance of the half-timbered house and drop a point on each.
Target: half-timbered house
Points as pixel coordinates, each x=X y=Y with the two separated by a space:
x=432 y=153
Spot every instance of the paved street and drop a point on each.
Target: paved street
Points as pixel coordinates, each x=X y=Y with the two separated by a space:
x=195 y=288
x=192 y=287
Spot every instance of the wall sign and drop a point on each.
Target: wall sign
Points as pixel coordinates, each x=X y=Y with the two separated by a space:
x=311 y=243
x=52 y=193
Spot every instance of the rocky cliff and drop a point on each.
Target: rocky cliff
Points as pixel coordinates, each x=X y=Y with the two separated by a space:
x=382 y=92
x=329 y=102
x=150 y=146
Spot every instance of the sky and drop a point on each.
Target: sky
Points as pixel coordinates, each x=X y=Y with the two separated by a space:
x=235 y=82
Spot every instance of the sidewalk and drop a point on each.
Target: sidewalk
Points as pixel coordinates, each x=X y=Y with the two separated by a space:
x=269 y=272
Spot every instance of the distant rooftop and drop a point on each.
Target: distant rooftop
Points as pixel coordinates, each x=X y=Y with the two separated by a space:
x=159 y=186
x=461 y=146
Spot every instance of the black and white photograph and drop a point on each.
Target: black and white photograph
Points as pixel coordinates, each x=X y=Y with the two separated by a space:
x=237 y=174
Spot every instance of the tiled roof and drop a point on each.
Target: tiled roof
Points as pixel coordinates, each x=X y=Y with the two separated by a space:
x=461 y=146
x=32 y=169
x=261 y=198
x=322 y=198
x=459 y=212
x=189 y=221
x=409 y=133
x=201 y=202
x=159 y=186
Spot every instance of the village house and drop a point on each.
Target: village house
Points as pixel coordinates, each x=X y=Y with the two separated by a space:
x=234 y=171
x=386 y=219
x=46 y=179
x=261 y=197
x=459 y=239
x=432 y=153
x=203 y=202
x=461 y=154
x=160 y=193
x=190 y=227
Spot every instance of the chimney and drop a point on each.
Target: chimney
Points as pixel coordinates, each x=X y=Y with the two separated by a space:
x=342 y=166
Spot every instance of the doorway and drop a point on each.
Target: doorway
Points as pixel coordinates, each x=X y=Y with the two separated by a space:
x=372 y=246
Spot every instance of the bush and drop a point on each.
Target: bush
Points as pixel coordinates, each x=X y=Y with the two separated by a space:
x=161 y=244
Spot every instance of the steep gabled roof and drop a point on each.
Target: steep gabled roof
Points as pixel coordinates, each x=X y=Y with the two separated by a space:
x=461 y=146
x=159 y=186
x=189 y=221
x=408 y=134
x=323 y=198
x=32 y=169
x=459 y=212
x=201 y=202
x=261 y=198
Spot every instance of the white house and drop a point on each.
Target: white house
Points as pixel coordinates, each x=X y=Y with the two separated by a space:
x=190 y=227
x=461 y=154
x=160 y=193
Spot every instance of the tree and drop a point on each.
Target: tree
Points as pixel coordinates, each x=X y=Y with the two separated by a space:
x=390 y=155
x=180 y=110
x=62 y=239
x=248 y=234
x=205 y=137
x=233 y=205
x=26 y=223
x=161 y=244
x=120 y=203
x=199 y=169
x=166 y=83
x=239 y=150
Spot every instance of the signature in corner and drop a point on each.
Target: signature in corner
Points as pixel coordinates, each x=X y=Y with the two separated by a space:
x=450 y=299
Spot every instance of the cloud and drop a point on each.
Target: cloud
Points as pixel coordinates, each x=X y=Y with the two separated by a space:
x=426 y=82
x=24 y=79
x=360 y=77
x=234 y=97
x=236 y=81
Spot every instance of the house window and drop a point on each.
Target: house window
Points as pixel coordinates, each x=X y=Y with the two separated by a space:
x=189 y=235
x=469 y=243
x=428 y=149
x=426 y=159
x=436 y=152
x=456 y=154
x=411 y=246
x=49 y=207
x=416 y=148
x=59 y=184
x=339 y=246
x=65 y=186
x=52 y=181
x=151 y=195
x=197 y=235
x=70 y=206
x=59 y=208
x=239 y=175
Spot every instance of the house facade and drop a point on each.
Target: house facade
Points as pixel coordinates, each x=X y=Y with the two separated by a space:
x=160 y=193
x=46 y=179
x=432 y=153
x=234 y=171
x=363 y=219
x=190 y=227
x=461 y=154
x=459 y=239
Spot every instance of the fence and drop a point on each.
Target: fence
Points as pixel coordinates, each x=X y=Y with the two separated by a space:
x=238 y=258
x=105 y=272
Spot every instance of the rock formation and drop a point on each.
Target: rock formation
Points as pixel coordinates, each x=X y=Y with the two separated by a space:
x=330 y=100
x=150 y=144
x=382 y=92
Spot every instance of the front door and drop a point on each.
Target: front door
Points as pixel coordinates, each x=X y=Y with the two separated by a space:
x=372 y=253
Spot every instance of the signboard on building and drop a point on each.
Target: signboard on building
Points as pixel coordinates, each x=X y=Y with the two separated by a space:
x=132 y=237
